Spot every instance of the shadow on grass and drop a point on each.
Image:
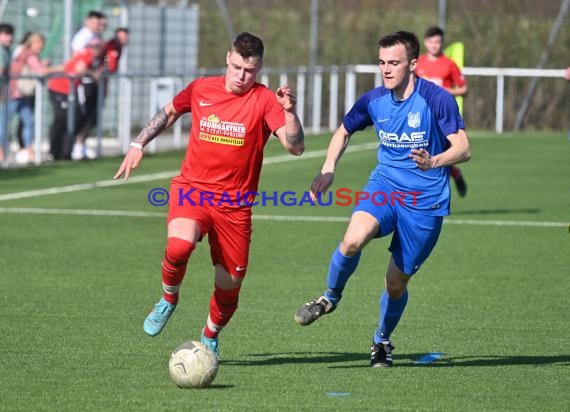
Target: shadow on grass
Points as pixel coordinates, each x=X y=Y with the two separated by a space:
x=361 y=359
x=271 y=359
x=408 y=361
x=220 y=386
x=527 y=211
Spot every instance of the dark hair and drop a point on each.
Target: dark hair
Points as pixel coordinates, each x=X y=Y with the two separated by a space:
x=433 y=31
x=6 y=28
x=121 y=30
x=247 y=45
x=408 y=39
x=94 y=14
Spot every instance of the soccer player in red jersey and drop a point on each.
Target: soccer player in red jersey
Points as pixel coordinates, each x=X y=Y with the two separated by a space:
x=233 y=116
x=441 y=70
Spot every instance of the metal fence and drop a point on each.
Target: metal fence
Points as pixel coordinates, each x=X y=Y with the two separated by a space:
x=334 y=91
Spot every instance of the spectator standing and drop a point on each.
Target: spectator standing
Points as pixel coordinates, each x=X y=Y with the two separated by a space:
x=91 y=29
x=441 y=70
x=6 y=39
x=22 y=91
x=113 y=49
x=87 y=91
x=80 y=64
x=15 y=54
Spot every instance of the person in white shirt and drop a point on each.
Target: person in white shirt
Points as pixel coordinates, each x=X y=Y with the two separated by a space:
x=90 y=30
x=87 y=92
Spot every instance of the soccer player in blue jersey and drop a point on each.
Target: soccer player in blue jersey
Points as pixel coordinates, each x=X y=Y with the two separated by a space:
x=421 y=134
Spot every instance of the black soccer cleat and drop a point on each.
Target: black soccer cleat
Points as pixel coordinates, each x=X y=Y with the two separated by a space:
x=381 y=354
x=460 y=185
x=313 y=310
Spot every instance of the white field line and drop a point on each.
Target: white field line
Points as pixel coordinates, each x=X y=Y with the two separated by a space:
x=164 y=175
x=80 y=212
x=84 y=186
x=275 y=218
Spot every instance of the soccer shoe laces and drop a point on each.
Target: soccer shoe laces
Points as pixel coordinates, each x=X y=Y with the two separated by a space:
x=381 y=354
x=162 y=308
x=320 y=306
x=385 y=347
x=311 y=311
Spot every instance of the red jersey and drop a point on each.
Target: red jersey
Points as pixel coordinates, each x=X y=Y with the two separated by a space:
x=61 y=84
x=443 y=71
x=228 y=134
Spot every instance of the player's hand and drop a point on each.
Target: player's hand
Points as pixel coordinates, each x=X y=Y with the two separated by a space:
x=321 y=184
x=423 y=159
x=286 y=98
x=131 y=161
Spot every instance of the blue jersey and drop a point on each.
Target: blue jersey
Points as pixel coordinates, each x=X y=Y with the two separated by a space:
x=423 y=120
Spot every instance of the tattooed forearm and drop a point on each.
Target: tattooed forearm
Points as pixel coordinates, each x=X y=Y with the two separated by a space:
x=294 y=135
x=295 y=139
x=154 y=127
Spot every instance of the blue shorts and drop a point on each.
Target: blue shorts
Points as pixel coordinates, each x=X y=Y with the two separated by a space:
x=415 y=234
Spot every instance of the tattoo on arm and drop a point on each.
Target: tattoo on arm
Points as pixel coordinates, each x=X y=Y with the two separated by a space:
x=295 y=138
x=154 y=127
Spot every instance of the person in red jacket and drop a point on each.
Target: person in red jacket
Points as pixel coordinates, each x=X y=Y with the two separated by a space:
x=114 y=48
x=441 y=70
x=81 y=63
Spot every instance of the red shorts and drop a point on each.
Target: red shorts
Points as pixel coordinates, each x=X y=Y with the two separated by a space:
x=228 y=229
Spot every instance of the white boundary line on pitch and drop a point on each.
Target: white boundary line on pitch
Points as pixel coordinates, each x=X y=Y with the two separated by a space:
x=164 y=175
x=275 y=218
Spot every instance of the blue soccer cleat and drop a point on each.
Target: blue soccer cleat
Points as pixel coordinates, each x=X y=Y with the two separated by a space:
x=211 y=343
x=157 y=318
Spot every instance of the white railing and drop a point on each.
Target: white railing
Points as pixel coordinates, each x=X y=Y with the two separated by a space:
x=499 y=73
x=309 y=95
x=352 y=72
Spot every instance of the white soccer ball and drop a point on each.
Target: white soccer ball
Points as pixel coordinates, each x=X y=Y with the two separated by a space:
x=193 y=365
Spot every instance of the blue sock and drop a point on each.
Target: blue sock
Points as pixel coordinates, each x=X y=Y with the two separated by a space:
x=391 y=311
x=340 y=269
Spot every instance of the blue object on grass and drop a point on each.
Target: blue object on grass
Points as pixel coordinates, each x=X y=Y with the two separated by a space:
x=429 y=358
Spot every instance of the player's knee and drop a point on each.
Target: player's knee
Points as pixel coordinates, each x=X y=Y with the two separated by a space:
x=395 y=291
x=396 y=284
x=351 y=245
x=225 y=280
x=178 y=251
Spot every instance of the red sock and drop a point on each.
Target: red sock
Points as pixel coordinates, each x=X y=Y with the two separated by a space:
x=455 y=172
x=222 y=307
x=174 y=264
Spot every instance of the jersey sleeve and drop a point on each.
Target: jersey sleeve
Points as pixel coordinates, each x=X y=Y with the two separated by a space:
x=456 y=76
x=273 y=113
x=182 y=101
x=358 y=117
x=447 y=114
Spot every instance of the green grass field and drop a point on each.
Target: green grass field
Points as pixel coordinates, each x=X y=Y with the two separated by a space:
x=76 y=286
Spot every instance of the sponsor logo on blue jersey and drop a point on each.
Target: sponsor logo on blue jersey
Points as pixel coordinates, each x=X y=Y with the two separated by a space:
x=404 y=140
x=414 y=120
